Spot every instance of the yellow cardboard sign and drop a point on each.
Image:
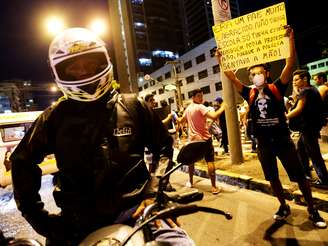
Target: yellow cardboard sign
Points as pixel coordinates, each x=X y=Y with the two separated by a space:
x=254 y=38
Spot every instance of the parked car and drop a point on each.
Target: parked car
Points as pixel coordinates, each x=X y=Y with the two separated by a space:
x=13 y=127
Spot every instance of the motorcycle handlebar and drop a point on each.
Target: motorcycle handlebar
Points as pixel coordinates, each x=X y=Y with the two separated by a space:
x=176 y=211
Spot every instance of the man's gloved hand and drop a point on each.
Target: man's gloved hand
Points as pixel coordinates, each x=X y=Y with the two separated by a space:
x=48 y=225
x=172 y=222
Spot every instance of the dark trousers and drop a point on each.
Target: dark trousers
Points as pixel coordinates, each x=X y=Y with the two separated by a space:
x=224 y=139
x=308 y=147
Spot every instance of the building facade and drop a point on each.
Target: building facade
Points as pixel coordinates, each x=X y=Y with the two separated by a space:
x=164 y=30
x=317 y=67
x=197 y=68
x=158 y=32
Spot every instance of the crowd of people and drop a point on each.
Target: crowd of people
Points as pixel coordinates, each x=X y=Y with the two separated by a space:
x=99 y=138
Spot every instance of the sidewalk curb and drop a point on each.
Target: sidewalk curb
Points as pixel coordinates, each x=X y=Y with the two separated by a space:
x=250 y=183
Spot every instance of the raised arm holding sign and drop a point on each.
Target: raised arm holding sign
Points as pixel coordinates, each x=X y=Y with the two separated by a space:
x=267 y=114
x=257 y=37
x=284 y=76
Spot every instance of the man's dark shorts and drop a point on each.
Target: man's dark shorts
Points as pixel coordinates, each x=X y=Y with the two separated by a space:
x=269 y=148
x=209 y=151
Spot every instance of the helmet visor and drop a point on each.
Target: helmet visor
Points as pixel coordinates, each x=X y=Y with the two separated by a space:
x=82 y=66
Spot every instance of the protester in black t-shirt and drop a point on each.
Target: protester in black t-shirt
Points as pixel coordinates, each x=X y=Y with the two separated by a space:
x=267 y=111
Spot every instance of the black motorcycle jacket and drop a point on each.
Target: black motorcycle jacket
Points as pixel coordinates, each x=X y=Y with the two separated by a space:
x=99 y=149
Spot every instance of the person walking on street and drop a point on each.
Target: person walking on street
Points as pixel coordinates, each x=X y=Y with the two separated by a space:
x=195 y=115
x=321 y=81
x=213 y=125
x=151 y=162
x=98 y=137
x=223 y=126
x=308 y=112
x=267 y=111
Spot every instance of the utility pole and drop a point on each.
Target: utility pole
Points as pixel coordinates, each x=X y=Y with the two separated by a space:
x=120 y=15
x=221 y=13
x=177 y=84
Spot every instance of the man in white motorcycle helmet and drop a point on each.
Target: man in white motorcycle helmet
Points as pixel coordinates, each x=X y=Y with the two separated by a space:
x=98 y=137
x=81 y=65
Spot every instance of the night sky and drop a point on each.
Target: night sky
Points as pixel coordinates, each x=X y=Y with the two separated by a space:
x=309 y=21
x=24 y=45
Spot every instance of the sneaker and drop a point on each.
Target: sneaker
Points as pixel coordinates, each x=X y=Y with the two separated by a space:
x=169 y=188
x=317 y=220
x=188 y=184
x=224 y=152
x=319 y=184
x=282 y=213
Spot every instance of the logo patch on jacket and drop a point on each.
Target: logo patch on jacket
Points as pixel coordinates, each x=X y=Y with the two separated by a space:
x=123 y=131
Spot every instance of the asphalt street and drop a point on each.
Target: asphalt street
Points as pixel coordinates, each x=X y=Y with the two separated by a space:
x=252 y=222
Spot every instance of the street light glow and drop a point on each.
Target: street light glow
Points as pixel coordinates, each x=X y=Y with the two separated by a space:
x=53 y=88
x=54 y=25
x=98 y=26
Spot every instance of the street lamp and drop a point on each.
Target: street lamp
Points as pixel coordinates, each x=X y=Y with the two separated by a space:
x=170 y=87
x=53 y=88
x=54 y=25
x=177 y=84
x=166 y=86
x=98 y=26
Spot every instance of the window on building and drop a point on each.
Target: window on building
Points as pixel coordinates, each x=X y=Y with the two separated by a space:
x=313 y=67
x=152 y=82
x=212 y=52
x=187 y=65
x=163 y=102
x=140 y=88
x=167 y=75
x=139 y=24
x=206 y=89
x=160 y=91
x=146 y=85
x=171 y=100
x=216 y=69
x=159 y=79
x=137 y=1
x=180 y=83
x=165 y=54
x=200 y=58
x=218 y=86
x=153 y=92
x=145 y=62
x=322 y=64
x=190 y=94
x=202 y=74
x=190 y=79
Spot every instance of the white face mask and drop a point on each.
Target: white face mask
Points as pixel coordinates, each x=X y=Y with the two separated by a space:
x=259 y=80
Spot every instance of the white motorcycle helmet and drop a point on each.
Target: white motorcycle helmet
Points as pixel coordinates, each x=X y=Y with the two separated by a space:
x=65 y=49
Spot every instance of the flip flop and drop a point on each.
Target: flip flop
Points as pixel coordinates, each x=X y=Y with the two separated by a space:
x=216 y=190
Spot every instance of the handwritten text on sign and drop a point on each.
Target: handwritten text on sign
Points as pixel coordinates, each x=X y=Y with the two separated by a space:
x=255 y=38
